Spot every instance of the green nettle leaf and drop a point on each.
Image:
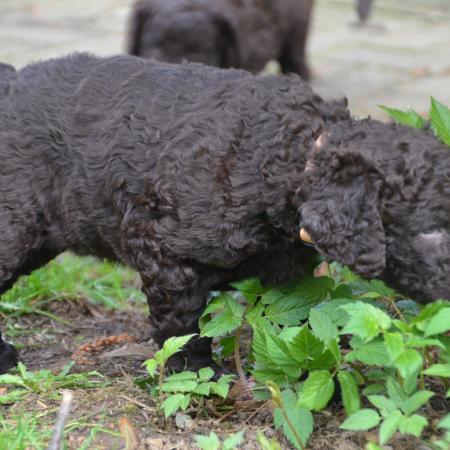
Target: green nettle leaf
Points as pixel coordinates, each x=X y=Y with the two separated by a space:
x=385 y=405
x=366 y=321
x=395 y=392
x=203 y=389
x=438 y=370
x=389 y=426
x=394 y=344
x=317 y=390
x=413 y=425
x=439 y=115
x=349 y=392
x=227 y=320
x=222 y=386
x=288 y=306
x=409 y=117
x=409 y=362
x=305 y=346
x=322 y=326
x=336 y=314
x=445 y=422
x=300 y=418
x=440 y=323
x=416 y=400
x=428 y=312
x=179 y=386
x=419 y=342
x=211 y=442
x=150 y=364
x=232 y=442
x=175 y=402
x=205 y=374
x=251 y=288
x=373 y=353
x=379 y=287
x=174 y=345
x=361 y=420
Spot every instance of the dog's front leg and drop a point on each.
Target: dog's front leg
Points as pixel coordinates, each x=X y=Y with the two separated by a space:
x=174 y=311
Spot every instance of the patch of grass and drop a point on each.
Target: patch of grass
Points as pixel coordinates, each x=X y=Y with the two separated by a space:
x=69 y=276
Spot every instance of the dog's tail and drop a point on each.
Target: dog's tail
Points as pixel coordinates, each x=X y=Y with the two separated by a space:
x=140 y=14
x=7 y=74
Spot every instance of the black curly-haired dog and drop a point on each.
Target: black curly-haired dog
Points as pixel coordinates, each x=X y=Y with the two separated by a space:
x=223 y=33
x=197 y=176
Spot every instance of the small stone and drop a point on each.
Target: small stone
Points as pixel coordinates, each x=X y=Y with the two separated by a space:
x=184 y=422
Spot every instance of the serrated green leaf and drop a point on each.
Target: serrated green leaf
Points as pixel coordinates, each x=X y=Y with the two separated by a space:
x=412 y=425
x=366 y=321
x=395 y=392
x=419 y=342
x=202 y=389
x=361 y=420
x=205 y=373
x=349 y=392
x=394 y=344
x=317 y=390
x=210 y=442
x=373 y=389
x=322 y=326
x=227 y=320
x=255 y=313
x=174 y=345
x=186 y=375
x=175 y=402
x=439 y=116
x=413 y=403
x=389 y=426
x=373 y=353
x=300 y=418
x=440 y=323
x=384 y=405
x=336 y=314
x=233 y=441
x=251 y=288
x=409 y=362
x=179 y=386
x=409 y=117
x=12 y=379
x=445 y=422
x=379 y=287
x=428 y=312
x=438 y=370
x=220 y=388
x=305 y=347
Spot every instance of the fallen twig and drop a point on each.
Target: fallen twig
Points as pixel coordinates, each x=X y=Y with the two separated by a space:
x=63 y=414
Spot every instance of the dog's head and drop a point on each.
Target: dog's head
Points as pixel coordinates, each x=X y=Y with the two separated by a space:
x=377 y=198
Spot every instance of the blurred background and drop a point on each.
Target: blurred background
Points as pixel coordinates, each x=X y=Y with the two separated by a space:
x=399 y=57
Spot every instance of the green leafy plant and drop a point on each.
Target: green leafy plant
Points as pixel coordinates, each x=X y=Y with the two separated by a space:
x=25 y=382
x=178 y=390
x=322 y=331
x=438 y=115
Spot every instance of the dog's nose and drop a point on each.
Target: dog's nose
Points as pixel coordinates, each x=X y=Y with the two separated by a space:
x=305 y=237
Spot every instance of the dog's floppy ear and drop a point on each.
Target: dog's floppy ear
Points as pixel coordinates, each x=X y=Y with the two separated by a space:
x=339 y=211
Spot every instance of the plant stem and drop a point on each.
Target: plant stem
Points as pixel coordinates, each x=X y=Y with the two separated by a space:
x=160 y=379
x=237 y=358
x=398 y=312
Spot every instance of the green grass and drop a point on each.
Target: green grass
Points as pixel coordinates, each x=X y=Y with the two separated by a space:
x=72 y=277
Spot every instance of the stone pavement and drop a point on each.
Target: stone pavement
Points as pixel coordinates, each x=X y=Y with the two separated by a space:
x=400 y=58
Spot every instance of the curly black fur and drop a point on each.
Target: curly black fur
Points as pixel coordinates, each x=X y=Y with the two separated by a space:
x=223 y=33
x=196 y=176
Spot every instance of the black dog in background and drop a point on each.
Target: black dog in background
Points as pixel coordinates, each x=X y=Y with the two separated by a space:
x=197 y=176
x=224 y=33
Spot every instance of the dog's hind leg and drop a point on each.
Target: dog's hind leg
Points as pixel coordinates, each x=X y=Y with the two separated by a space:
x=20 y=254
